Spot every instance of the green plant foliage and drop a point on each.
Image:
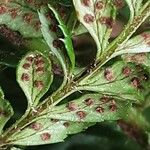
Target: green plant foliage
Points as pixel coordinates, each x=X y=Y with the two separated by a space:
x=41 y=41
x=98 y=17
x=6 y=112
x=34 y=76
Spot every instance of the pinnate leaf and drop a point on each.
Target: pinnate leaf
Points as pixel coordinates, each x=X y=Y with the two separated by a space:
x=47 y=131
x=34 y=76
x=98 y=17
x=54 y=124
x=137 y=44
x=121 y=79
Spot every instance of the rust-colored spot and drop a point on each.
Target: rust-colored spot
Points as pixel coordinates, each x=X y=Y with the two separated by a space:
x=26 y=66
x=36 y=126
x=89 y=101
x=135 y=82
x=25 y=77
x=126 y=71
x=30 y=59
x=99 y=109
x=45 y=136
x=28 y=17
x=39 y=70
x=13 y=13
x=113 y=107
x=86 y=2
x=72 y=106
x=146 y=36
x=66 y=124
x=88 y=18
x=108 y=74
x=81 y=114
x=3 y=113
x=38 y=84
x=57 y=69
x=37 y=25
x=39 y=63
x=107 y=21
x=3 y=9
x=105 y=99
x=99 y=5
x=119 y=3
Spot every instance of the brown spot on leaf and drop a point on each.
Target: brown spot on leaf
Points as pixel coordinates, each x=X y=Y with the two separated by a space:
x=105 y=99
x=36 y=126
x=25 y=77
x=72 y=106
x=26 y=66
x=108 y=74
x=40 y=70
x=99 y=5
x=81 y=114
x=119 y=3
x=126 y=71
x=53 y=28
x=56 y=44
x=88 y=18
x=107 y=21
x=3 y=9
x=99 y=109
x=39 y=62
x=135 y=82
x=13 y=13
x=45 y=136
x=28 y=17
x=89 y=101
x=38 y=84
x=30 y=59
x=86 y=2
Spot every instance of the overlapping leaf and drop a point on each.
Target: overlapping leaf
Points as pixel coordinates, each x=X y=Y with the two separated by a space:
x=98 y=17
x=120 y=79
x=21 y=15
x=47 y=131
x=54 y=124
x=35 y=76
x=138 y=44
x=6 y=110
x=67 y=37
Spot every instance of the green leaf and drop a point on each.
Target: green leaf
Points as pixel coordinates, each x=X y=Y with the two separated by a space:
x=34 y=76
x=54 y=124
x=98 y=18
x=138 y=44
x=89 y=108
x=51 y=39
x=47 y=131
x=121 y=79
x=6 y=112
x=1 y=93
x=67 y=37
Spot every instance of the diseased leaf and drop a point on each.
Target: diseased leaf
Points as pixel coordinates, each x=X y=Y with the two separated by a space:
x=138 y=44
x=98 y=17
x=47 y=131
x=54 y=124
x=34 y=76
x=6 y=112
x=67 y=37
x=21 y=15
x=121 y=79
x=89 y=108
x=49 y=30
